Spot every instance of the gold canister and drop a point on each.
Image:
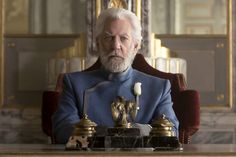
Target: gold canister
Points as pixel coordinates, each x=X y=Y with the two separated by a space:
x=85 y=127
x=162 y=127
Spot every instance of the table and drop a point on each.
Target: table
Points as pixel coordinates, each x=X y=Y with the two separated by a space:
x=42 y=150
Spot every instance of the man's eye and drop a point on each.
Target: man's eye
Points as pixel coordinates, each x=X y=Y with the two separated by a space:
x=107 y=38
x=123 y=38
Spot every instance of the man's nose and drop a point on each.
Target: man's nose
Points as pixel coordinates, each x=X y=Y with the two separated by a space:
x=116 y=43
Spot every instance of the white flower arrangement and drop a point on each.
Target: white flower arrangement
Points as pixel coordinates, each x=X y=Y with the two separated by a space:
x=137 y=92
x=137 y=88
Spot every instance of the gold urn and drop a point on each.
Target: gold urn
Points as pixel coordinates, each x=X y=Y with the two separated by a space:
x=83 y=130
x=162 y=127
x=85 y=127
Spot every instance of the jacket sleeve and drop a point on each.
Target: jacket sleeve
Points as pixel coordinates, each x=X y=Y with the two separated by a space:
x=66 y=115
x=165 y=107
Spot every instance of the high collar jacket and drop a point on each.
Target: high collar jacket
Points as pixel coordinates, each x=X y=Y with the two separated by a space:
x=93 y=93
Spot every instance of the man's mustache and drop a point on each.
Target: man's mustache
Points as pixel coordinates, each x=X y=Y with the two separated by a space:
x=114 y=54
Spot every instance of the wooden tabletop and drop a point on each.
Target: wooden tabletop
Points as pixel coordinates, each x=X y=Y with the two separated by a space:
x=41 y=150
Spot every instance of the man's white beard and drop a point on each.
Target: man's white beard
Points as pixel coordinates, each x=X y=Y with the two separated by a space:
x=113 y=62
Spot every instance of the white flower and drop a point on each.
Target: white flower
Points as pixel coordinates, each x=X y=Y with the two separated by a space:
x=137 y=88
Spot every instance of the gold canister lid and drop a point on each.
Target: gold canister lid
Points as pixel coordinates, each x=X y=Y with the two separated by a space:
x=85 y=127
x=162 y=127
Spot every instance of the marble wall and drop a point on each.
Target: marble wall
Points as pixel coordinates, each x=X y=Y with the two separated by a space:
x=21 y=126
x=220 y=126
x=24 y=126
x=216 y=128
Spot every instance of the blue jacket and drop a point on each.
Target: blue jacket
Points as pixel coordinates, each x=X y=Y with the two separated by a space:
x=98 y=89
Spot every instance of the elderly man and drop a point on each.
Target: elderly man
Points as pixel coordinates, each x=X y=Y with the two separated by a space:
x=118 y=38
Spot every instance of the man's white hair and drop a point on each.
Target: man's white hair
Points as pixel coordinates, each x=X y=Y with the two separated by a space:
x=119 y=13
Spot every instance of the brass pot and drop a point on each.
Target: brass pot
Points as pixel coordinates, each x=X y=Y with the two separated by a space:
x=162 y=127
x=85 y=127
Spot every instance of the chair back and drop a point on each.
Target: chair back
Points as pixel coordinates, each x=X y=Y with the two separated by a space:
x=185 y=102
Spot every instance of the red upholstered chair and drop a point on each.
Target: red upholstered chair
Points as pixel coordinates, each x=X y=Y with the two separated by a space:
x=185 y=102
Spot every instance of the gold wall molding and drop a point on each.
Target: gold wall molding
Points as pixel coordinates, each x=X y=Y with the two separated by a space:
x=140 y=7
x=1 y=52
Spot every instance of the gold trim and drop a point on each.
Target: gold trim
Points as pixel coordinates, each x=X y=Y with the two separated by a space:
x=98 y=7
x=226 y=107
x=230 y=50
x=138 y=9
x=229 y=105
x=220 y=45
x=42 y=35
x=117 y=4
x=187 y=36
x=138 y=12
x=1 y=52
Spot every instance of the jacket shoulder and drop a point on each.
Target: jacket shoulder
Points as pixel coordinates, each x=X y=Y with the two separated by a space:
x=143 y=75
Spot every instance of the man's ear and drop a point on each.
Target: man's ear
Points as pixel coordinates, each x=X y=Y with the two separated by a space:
x=136 y=47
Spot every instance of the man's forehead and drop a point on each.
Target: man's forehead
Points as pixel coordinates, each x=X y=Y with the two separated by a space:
x=122 y=34
x=121 y=26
